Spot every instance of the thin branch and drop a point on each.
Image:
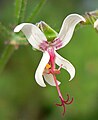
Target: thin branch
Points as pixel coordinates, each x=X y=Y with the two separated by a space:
x=36 y=10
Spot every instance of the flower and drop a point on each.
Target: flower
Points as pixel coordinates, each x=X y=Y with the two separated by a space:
x=46 y=68
x=96 y=24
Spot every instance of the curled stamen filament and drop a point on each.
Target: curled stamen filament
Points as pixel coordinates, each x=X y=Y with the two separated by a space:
x=63 y=102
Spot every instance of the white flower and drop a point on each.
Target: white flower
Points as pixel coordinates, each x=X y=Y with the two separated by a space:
x=38 y=40
x=96 y=24
x=46 y=66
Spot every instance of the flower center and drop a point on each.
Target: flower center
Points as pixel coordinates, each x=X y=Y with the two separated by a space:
x=56 y=44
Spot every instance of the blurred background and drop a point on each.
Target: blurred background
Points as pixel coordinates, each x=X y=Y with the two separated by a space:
x=21 y=98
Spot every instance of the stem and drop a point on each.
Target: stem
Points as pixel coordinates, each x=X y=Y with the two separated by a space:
x=20 y=7
x=22 y=11
x=36 y=10
x=17 y=9
x=6 y=56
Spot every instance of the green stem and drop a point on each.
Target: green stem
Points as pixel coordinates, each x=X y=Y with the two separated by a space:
x=22 y=11
x=36 y=10
x=20 y=7
x=17 y=9
x=7 y=53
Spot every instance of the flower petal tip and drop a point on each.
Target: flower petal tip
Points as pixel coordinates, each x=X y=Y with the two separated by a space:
x=39 y=80
x=72 y=75
x=77 y=16
x=19 y=27
x=81 y=17
x=71 y=78
x=42 y=84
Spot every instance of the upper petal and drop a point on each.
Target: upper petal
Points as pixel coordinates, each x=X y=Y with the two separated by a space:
x=65 y=64
x=50 y=80
x=32 y=33
x=96 y=24
x=40 y=69
x=68 y=27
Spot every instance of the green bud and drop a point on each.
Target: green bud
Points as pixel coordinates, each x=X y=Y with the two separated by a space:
x=91 y=17
x=47 y=30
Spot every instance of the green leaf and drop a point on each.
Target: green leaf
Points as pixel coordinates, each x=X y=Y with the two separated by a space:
x=36 y=10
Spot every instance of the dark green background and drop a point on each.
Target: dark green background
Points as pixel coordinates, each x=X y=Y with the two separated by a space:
x=21 y=98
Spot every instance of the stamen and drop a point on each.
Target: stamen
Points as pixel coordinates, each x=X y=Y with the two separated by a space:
x=48 y=66
x=69 y=102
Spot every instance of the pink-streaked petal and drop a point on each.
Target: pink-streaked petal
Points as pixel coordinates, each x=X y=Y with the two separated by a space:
x=32 y=33
x=96 y=24
x=68 y=27
x=65 y=64
x=40 y=69
x=50 y=79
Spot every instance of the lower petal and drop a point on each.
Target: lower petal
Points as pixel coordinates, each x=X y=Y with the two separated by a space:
x=65 y=64
x=50 y=79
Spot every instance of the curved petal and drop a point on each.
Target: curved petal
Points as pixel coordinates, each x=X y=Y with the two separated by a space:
x=66 y=65
x=50 y=80
x=96 y=24
x=40 y=69
x=32 y=33
x=68 y=27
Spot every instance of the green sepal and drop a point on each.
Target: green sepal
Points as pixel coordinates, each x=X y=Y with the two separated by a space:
x=47 y=30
